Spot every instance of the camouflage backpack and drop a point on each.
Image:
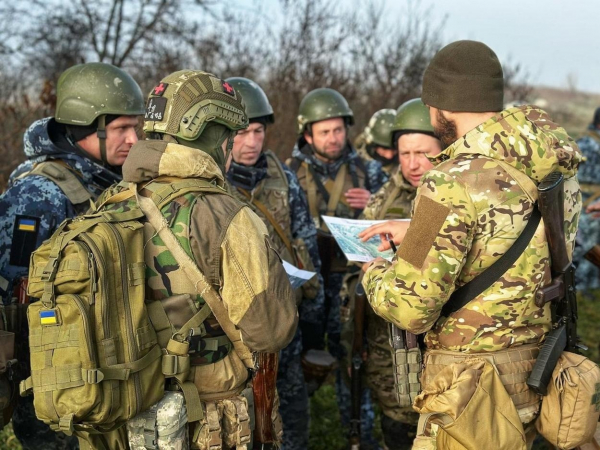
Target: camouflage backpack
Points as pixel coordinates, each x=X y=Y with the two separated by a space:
x=95 y=361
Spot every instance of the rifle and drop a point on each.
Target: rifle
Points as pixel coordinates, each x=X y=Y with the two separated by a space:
x=263 y=386
x=561 y=291
x=360 y=299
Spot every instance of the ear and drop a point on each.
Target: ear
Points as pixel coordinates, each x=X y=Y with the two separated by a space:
x=308 y=138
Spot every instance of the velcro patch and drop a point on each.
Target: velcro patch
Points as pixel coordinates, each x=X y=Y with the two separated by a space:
x=156 y=109
x=427 y=221
x=160 y=89
x=49 y=317
x=24 y=240
x=228 y=89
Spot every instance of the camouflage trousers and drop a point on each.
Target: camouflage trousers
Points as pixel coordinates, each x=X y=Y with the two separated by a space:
x=293 y=398
x=33 y=434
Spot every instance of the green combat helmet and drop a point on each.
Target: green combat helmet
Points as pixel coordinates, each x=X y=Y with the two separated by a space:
x=255 y=99
x=379 y=130
x=321 y=104
x=198 y=108
x=90 y=91
x=411 y=117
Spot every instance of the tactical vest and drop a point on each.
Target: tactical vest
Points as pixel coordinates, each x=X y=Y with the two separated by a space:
x=350 y=175
x=272 y=194
x=60 y=174
x=393 y=201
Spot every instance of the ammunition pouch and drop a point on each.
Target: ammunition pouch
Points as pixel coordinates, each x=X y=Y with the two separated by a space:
x=407 y=367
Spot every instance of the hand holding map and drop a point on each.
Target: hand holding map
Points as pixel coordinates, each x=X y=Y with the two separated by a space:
x=346 y=232
x=391 y=229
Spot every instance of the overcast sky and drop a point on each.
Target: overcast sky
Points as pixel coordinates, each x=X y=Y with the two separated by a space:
x=552 y=39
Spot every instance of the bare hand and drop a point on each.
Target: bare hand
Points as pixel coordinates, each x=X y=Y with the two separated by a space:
x=594 y=209
x=394 y=229
x=357 y=198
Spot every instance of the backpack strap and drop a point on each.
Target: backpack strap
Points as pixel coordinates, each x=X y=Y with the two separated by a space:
x=195 y=275
x=463 y=295
x=59 y=173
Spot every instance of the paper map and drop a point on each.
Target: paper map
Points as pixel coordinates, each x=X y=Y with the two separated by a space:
x=297 y=276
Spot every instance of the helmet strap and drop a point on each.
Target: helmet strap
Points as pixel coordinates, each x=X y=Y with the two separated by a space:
x=101 y=132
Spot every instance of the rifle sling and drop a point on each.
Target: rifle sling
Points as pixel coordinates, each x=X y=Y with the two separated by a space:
x=271 y=220
x=480 y=283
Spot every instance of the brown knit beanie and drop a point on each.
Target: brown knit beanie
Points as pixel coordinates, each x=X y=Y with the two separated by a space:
x=464 y=76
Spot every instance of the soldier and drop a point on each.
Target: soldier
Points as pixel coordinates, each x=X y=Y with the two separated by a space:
x=469 y=210
x=72 y=158
x=414 y=140
x=375 y=142
x=272 y=190
x=191 y=120
x=339 y=183
x=588 y=235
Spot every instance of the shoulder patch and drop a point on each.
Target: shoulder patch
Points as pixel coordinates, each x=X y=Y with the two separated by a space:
x=427 y=221
x=156 y=109
x=24 y=240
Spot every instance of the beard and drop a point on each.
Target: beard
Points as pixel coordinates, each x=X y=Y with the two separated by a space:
x=445 y=130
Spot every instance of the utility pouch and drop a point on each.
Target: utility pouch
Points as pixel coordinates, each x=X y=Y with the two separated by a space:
x=466 y=398
x=407 y=365
x=570 y=410
x=163 y=426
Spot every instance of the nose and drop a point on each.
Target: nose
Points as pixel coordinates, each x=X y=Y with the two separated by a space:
x=131 y=136
x=413 y=162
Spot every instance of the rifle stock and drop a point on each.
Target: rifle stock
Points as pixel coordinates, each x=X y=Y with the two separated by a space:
x=263 y=386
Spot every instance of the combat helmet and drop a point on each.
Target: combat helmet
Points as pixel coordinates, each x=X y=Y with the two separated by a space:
x=256 y=101
x=411 y=117
x=379 y=130
x=321 y=104
x=88 y=92
x=189 y=104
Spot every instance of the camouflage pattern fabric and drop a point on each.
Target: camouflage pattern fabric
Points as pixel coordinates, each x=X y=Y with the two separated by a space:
x=164 y=426
x=468 y=211
x=588 y=234
x=39 y=197
x=361 y=148
x=293 y=216
x=392 y=201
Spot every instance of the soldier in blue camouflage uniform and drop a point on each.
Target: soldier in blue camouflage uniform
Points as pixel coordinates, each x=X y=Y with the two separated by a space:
x=588 y=234
x=272 y=190
x=338 y=182
x=72 y=158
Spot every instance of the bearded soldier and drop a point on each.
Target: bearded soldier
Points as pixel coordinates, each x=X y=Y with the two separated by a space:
x=338 y=182
x=469 y=210
x=414 y=141
x=191 y=120
x=72 y=158
x=588 y=235
x=272 y=190
x=375 y=142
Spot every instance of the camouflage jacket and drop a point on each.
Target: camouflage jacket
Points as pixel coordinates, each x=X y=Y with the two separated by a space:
x=468 y=212
x=230 y=246
x=393 y=201
x=369 y=175
x=292 y=215
x=39 y=198
x=588 y=235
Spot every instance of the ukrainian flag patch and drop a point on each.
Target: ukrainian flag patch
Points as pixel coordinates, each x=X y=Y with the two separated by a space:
x=27 y=224
x=48 y=317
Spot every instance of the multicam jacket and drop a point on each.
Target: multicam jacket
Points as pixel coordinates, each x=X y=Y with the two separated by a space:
x=230 y=245
x=468 y=211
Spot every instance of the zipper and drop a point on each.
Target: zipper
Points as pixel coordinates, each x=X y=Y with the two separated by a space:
x=130 y=333
x=86 y=329
x=104 y=311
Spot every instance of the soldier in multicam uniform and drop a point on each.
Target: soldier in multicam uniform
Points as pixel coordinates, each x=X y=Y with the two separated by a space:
x=414 y=140
x=588 y=234
x=191 y=120
x=272 y=190
x=338 y=182
x=469 y=210
x=72 y=158
x=375 y=142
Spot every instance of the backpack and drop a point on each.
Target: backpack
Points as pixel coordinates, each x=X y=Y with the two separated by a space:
x=95 y=361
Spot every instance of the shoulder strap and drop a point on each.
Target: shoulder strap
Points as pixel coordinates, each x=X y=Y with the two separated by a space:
x=261 y=206
x=64 y=178
x=463 y=295
x=195 y=275
x=294 y=164
x=361 y=165
x=277 y=164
